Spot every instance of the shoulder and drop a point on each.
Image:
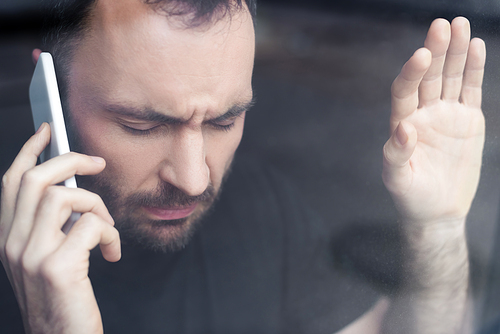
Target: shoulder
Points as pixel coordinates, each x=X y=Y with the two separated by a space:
x=290 y=239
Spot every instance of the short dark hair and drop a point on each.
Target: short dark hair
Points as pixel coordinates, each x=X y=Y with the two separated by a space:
x=68 y=20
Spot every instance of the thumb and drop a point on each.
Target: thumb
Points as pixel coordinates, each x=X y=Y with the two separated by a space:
x=397 y=171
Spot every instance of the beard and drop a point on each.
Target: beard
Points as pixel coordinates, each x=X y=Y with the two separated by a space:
x=134 y=225
x=136 y=228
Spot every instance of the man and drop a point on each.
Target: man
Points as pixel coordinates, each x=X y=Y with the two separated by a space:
x=156 y=95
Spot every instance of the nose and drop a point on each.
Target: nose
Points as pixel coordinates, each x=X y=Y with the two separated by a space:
x=185 y=165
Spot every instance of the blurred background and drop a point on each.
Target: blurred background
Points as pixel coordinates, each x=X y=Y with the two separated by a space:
x=322 y=80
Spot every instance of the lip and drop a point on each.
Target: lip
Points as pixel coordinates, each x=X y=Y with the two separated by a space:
x=170 y=213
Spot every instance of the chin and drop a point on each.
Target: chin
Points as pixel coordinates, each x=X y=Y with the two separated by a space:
x=159 y=236
x=164 y=236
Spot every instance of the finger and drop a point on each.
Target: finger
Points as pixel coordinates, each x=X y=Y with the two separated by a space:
x=398 y=150
x=473 y=74
x=59 y=202
x=405 y=87
x=35 y=181
x=25 y=160
x=455 y=59
x=54 y=210
x=35 y=55
x=437 y=41
x=88 y=232
x=69 y=263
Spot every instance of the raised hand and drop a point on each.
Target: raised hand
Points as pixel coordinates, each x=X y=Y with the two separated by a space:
x=432 y=161
x=48 y=270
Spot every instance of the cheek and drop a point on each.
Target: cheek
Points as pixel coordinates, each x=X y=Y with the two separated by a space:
x=132 y=164
x=135 y=164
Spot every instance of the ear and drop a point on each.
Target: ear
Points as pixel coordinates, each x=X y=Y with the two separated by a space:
x=35 y=55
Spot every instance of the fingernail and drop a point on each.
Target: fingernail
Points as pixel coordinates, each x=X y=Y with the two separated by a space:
x=401 y=135
x=40 y=128
x=99 y=160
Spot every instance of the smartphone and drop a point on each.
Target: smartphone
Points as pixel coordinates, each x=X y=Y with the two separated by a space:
x=46 y=107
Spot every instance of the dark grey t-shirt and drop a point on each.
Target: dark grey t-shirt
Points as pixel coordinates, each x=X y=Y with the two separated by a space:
x=260 y=263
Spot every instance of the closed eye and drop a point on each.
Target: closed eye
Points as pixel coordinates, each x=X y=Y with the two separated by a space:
x=223 y=124
x=221 y=127
x=140 y=132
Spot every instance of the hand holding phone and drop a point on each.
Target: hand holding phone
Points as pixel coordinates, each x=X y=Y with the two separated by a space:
x=48 y=270
x=46 y=107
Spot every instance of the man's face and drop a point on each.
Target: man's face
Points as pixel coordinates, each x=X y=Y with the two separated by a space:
x=164 y=105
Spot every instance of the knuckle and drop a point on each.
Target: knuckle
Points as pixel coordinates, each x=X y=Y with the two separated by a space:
x=10 y=183
x=96 y=198
x=116 y=233
x=51 y=268
x=6 y=180
x=30 y=177
x=55 y=194
x=73 y=155
x=28 y=265
x=388 y=155
x=394 y=84
x=70 y=155
x=88 y=221
x=392 y=156
x=394 y=87
x=54 y=200
x=398 y=92
x=11 y=251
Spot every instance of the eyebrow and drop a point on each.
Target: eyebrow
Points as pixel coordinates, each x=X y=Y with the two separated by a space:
x=151 y=115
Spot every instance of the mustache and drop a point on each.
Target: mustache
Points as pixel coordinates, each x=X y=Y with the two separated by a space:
x=167 y=195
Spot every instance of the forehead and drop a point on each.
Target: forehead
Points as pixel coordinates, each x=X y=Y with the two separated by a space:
x=132 y=52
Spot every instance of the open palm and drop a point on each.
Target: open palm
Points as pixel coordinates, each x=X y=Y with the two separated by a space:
x=432 y=161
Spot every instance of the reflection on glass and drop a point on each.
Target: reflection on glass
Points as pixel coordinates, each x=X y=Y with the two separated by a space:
x=304 y=236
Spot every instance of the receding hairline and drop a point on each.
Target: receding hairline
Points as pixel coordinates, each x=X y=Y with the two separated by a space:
x=62 y=43
x=64 y=36
x=68 y=21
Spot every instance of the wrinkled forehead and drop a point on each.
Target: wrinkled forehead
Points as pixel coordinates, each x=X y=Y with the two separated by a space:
x=134 y=55
x=131 y=48
x=122 y=27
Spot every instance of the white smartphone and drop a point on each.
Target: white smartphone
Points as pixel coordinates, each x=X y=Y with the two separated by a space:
x=46 y=107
